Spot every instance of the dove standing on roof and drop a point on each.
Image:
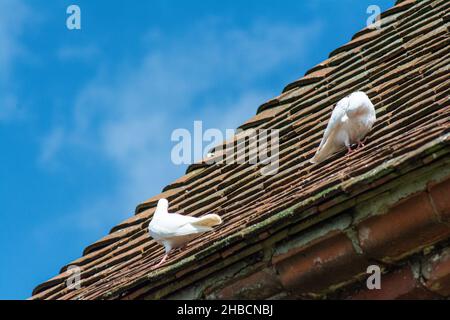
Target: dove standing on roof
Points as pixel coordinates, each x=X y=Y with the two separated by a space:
x=174 y=230
x=351 y=119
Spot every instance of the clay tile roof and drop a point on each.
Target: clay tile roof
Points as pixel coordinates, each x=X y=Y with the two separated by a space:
x=404 y=68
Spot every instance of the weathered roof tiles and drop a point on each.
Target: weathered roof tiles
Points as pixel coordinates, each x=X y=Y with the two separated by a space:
x=403 y=67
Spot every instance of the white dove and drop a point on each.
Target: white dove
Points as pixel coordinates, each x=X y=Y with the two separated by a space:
x=351 y=119
x=174 y=230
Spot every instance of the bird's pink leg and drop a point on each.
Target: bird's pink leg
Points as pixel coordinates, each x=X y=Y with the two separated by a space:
x=350 y=151
x=361 y=143
x=162 y=260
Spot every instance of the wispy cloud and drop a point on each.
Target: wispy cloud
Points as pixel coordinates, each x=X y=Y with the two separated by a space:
x=50 y=145
x=126 y=115
x=14 y=15
x=78 y=53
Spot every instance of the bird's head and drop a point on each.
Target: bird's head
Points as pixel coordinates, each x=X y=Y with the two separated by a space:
x=359 y=104
x=163 y=204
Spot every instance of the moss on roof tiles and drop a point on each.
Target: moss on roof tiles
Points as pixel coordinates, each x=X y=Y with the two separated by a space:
x=440 y=146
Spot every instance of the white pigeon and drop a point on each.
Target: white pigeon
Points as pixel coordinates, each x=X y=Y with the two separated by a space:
x=174 y=230
x=351 y=119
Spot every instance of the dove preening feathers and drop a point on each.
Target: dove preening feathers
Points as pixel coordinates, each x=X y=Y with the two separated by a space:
x=174 y=230
x=351 y=119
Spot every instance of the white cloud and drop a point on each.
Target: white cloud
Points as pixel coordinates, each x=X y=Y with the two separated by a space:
x=211 y=73
x=50 y=145
x=83 y=53
x=13 y=18
x=8 y=105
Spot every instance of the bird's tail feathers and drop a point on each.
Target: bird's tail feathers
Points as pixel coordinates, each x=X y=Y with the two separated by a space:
x=326 y=150
x=209 y=220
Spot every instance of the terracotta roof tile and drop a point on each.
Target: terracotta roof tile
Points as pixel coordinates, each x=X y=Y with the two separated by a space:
x=399 y=6
x=404 y=68
x=309 y=78
x=151 y=203
x=262 y=117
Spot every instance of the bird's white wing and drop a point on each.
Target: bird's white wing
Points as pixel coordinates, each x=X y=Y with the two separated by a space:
x=361 y=113
x=173 y=225
x=339 y=112
x=333 y=132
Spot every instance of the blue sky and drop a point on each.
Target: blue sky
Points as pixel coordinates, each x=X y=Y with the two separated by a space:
x=86 y=116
